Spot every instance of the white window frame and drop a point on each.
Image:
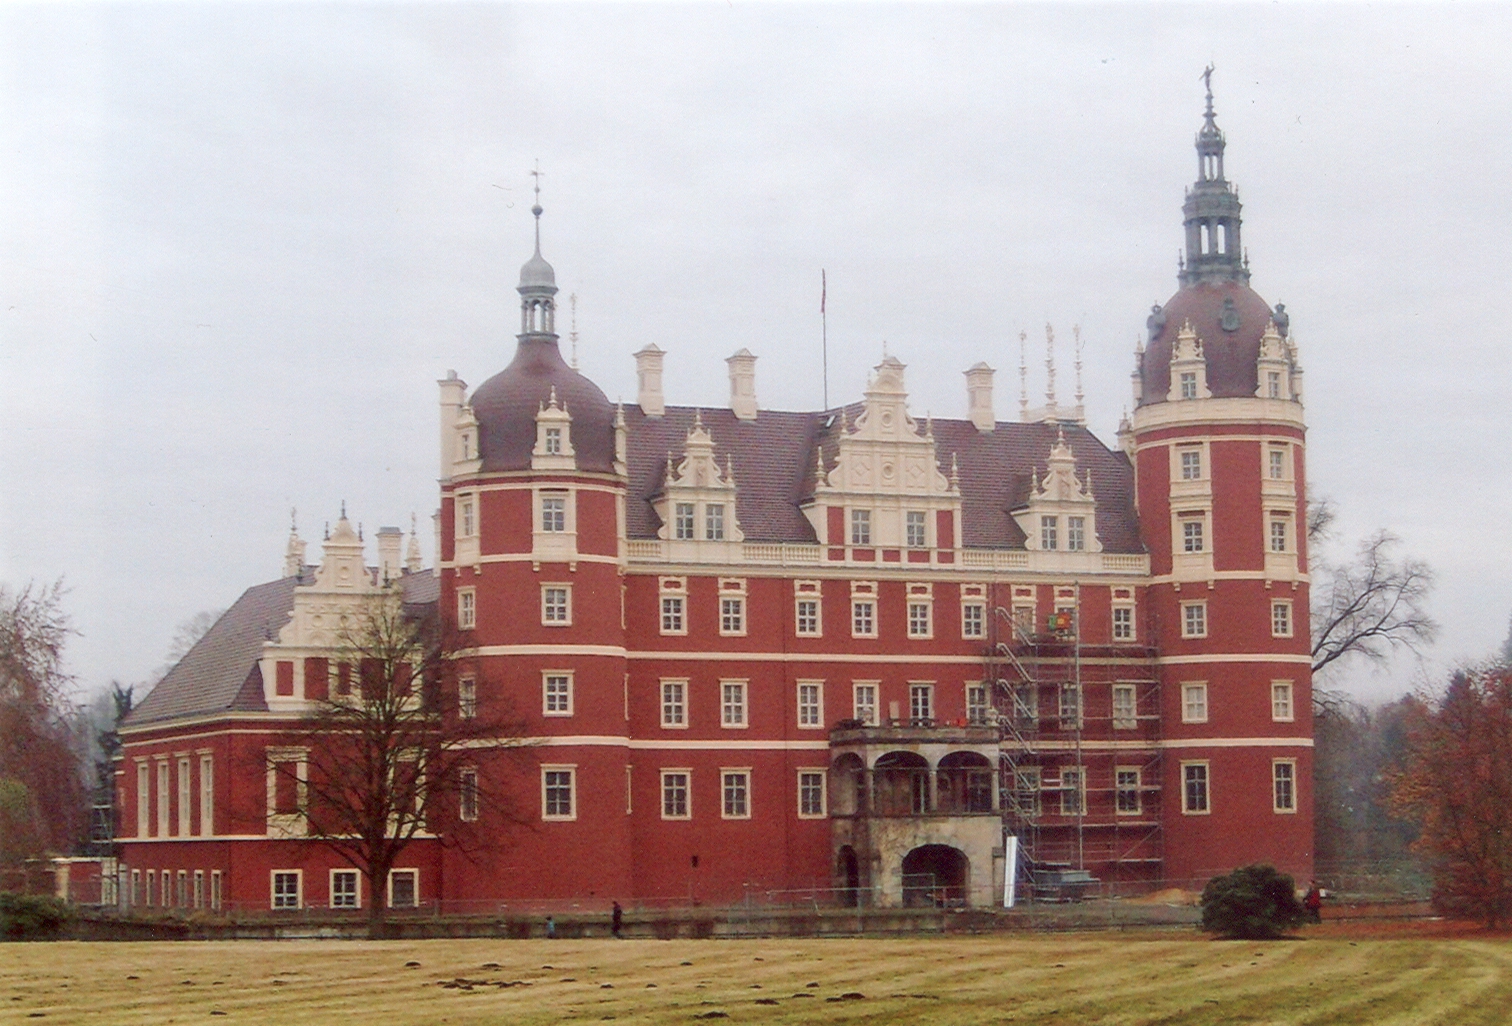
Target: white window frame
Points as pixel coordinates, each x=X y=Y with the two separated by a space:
x=921 y=703
x=734 y=704
x=144 y=798
x=978 y=703
x=864 y=617
x=1189 y=463
x=1280 y=533
x=552 y=442
x=1076 y=534
x=810 y=704
x=1194 y=619
x=916 y=529
x=467 y=794
x=1277 y=463
x=869 y=689
x=674 y=703
x=467 y=698
x=732 y=616
x=411 y=873
x=714 y=521
x=1193 y=534
x=1194 y=701
x=467 y=516
x=814 y=628
x=185 y=797
x=1049 y=533
x=207 y=795
x=1283 y=702
x=677 y=783
x=1123 y=623
x=735 y=792
x=547 y=770
x=163 y=799
x=1125 y=714
x=920 y=618
x=1190 y=774
x=1188 y=384
x=1070 y=708
x=684 y=521
x=1281 y=618
x=467 y=609
x=282 y=901
x=356 y=892
x=809 y=811
x=553 y=516
x=557 y=702
x=199 y=888
x=1073 y=798
x=547 y=606
x=217 y=889
x=1285 y=805
x=1123 y=787
x=861 y=527
x=674 y=614
x=973 y=620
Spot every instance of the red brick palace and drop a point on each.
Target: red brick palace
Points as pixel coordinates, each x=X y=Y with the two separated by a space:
x=844 y=650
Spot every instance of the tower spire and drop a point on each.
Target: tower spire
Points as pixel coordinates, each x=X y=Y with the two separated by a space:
x=1214 y=253
x=537 y=286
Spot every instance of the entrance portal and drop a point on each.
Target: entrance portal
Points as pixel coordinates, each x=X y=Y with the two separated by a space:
x=937 y=875
x=850 y=878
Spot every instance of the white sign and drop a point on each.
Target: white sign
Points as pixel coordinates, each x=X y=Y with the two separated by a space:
x=1010 y=870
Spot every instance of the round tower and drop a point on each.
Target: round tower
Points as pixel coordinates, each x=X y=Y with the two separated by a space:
x=1218 y=444
x=532 y=538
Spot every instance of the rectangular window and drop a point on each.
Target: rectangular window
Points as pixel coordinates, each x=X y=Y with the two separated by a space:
x=404 y=888
x=1278 y=535
x=976 y=704
x=162 y=798
x=860 y=521
x=737 y=794
x=286 y=888
x=1048 y=539
x=345 y=891
x=1126 y=791
x=215 y=890
x=973 y=620
x=1191 y=535
x=863 y=618
x=811 y=794
x=143 y=799
x=808 y=618
x=167 y=892
x=1194 y=703
x=1123 y=623
x=919 y=620
x=1070 y=711
x=682 y=521
x=672 y=615
x=1191 y=464
x=558 y=792
x=1125 y=707
x=556 y=694
x=921 y=704
x=1071 y=790
x=714 y=522
x=1194 y=619
x=136 y=887
x=1026 y=704
x=207 y=795
x=1194 y=788
x=913 y=522
x=1026 y=791
x=674 y=710
x=1278 y=464
x=556 y=606
x=864 y=703
x=1076 y=534
x=182 y=894
x=810 y=705
x=185 y=798
x=731 y=615
x=467 y=795
x=199 y=888
x=1281 y=701
x=1273 y=384
x=553 y=513
x=467 y=520
x=732 y=703
x=467 y=698
x=467 y=609
x=151 y=887
x=1281 y=619
x=1284 y=785
x=675 y=794
x=553 y=441
x=1189 y=384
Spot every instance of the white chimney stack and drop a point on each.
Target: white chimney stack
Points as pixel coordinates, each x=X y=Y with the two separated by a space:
x=389 y=541
x=743 y=385
x=979 y=398
x=648 y=375
x=453 y=391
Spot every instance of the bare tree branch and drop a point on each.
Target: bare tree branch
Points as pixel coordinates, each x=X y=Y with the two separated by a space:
x=1372 y=605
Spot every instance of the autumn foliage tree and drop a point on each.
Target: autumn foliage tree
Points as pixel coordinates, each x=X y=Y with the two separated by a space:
x=1455 y=783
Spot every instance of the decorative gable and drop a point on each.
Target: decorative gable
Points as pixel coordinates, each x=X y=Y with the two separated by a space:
x=553 y=447
x=1188 y=367
x=697 y=499
x=1062 y=511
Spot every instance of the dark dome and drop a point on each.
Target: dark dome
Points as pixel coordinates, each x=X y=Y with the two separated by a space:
x=1231 y=354
x=507 y=403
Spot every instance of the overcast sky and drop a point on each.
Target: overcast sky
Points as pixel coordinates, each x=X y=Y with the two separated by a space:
x=240 y=242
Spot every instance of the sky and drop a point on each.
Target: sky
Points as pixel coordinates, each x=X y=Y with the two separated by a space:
x=240 y=242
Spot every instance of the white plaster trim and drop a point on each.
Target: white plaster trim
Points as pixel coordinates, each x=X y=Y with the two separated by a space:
x=1227 y=410
x=1234 y=657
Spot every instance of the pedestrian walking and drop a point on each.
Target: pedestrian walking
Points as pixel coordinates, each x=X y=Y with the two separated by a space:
x=1313 y=902
x=616 y=920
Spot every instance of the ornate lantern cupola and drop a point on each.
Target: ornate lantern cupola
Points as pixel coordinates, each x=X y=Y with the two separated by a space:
x=537 y=285
x=1211 y=211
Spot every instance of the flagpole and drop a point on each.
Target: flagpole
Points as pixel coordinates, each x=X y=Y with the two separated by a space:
x=824 y=331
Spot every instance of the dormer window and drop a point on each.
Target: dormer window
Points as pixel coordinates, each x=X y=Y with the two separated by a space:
x=714 y=522
x=1188 y=385
x=683 y=522
x=467 y=445
x=1049 y=527
x=1273 y=384
x=553 y=441
x=1076 y=534
x=1191 y=464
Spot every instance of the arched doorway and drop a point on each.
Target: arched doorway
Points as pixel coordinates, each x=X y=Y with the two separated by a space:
x=848 y=870
x=964 y=783
x=901 y=780
x=935 y=875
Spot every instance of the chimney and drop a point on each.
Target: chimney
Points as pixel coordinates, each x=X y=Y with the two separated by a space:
x=648 y=376
x=979 y=398
x=453 y=391
x=390 y=540
x=743 y=385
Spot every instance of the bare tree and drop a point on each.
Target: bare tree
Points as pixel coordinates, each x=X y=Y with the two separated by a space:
x=1372 y=605
x=392 y=751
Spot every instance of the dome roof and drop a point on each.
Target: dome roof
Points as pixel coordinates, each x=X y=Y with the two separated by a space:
x=507 y=403
x=536 y=272
x=1229 y=318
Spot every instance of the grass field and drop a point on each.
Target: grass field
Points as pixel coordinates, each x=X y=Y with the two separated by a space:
x=1329 y=976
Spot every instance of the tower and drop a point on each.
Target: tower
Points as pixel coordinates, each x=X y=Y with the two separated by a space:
x=1219 y=443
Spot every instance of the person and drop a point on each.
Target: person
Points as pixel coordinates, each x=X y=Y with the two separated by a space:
x=616 y=920
x=1313 y=902
x=550 y=928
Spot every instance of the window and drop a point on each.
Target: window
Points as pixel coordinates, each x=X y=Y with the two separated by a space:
x=466 y=446
x=553 y=513
x=1191 y=464
x=860 y=523
x=1026 y=703
x=731 y=615
x=1277 y=464
x=1273 y=384
x=675 y=794
x=1284 y=785
x=863 y=618
x=467 y=609
x=1191 y=535
x=1281 y=701
x=553 y=441
x=811 y=794
x=556 y=606
x=682 y=521
x=556 y=694
x=1076 y=534
x=183 y=889
x=672 y=615
x=1189 y=384
x=1194 y=788
x=808 y=618
x=467 y=520
x=285 y=888
x=344 y=888
x=1194 y=703
x=467 y=698
x=558 y=792
x=1281 y=619
x=921 y=704
x=162 y=798
x=737 y=794
x=404 y=888
x=714 y=526
x=185 y=802
x=1070 y=706
x=674 y=710
x=919 y=620
x=913 y=527
x=215 y=890
x=167 y=892
x=976 y=703
x=199 y=888
x=1123 y=623
x=732 y=703
x=1026 y=791
x=144 y=800
x=1278 y=534
x=1047 y=532
x=864 y=703
x=1126 y=791
x=1125 y=707
x=1071 y=791
x=810 y=704
x=207 y=795
x=973 y=620
x=147 y=897
x=467 y=795
x=1194 y=619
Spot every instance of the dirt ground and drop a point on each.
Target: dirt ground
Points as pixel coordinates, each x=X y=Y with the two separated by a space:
x=1346 y=971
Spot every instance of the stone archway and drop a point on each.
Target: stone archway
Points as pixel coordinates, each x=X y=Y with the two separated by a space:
x=936 y=875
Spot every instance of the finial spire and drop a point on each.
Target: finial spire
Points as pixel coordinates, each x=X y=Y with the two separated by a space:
x=1076 y=334
x=536 y=208
x=1023 y=375
x=1050 y=367
x=572 y=302
x=1207 y=81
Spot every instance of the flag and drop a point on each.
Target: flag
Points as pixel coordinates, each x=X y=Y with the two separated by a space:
x=823 y=291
